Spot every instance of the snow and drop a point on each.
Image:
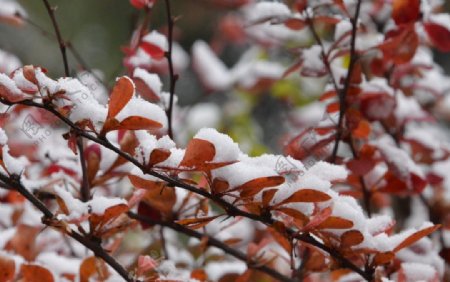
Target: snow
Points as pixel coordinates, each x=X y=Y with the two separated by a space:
x=23 y=83
x=343 y=27
x=213 y=72
x=59 y=264
x=100 y=204
x=377 y=85
x=97 y=205
x=84 y=105
x=139 y=107
x=10 y=85
x=408 y=108
x=11 y=8
x=267 y=10
x=226 y=149
x=418 y=271
x=151 y=80
x=14 y=165
x=313 y=58
x=442 y=19
x=400 y=160
x=8 y=62
x=157 y=39
x=328 y=171
x=216 y=270
x=203 y=115
x=3 y=137
x=239 y=173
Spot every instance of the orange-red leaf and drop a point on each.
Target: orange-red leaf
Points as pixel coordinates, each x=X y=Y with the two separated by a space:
x=121 y=94
x=139 y=123
x=335 y=222
x=405 y=11
x=198 y=152
x=196 y=223
x=91 y=266
x=267 y=196
x=158 y=155
x=351 y=238
x=363 y=130
x=7 y=269
x=253 y=187
x=383 y=258
x=416 y=237
x=36 y=273
x=306 y=196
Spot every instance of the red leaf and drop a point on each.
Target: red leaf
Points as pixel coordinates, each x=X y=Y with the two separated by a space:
x=361 y=167
x=150 y=212
x=400 y=45
x=295 y=24
x=439 y=36
x=198 y=152
x=405 y=11
x=416 y=237
x=121 y=94
x=153 y=50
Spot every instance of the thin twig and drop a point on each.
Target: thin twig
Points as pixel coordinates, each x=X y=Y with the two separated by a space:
x=348 y=79
x=62 y=44
x=84 y=189
x=172 y=76
x=14 y=183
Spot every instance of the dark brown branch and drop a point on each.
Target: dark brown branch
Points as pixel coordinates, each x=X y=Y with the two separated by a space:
x=230 y=209
x=348 y=79
x=14 y=183
x=62 y=44
x=172 y=76
x=85 y=194
x=215 y=243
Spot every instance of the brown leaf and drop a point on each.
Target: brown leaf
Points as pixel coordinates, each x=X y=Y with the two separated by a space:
x=7 y=269
x=416 y=237
x=36 y=273
x=121 y=94
x=351 y=238
x=198 y=152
